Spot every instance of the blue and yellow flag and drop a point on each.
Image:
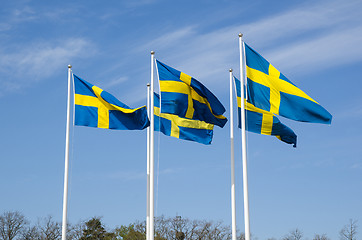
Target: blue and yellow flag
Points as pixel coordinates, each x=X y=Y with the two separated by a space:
x=271 y=91
x=184 y=96
x=97 y=108
x=263 y=122
x=182 y=128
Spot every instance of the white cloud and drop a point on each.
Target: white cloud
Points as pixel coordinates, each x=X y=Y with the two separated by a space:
x=23 y=14
x=17 y=16
x=115 y=82
x=314 y=37
x=327 y=51
x=171 y=38
x=39 y=61
x=318 y=19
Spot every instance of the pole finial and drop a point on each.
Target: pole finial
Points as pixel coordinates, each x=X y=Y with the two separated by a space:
x=230 y=70
x=69 y=66
x=152 y=52
x=240 y=34
x=148 y=84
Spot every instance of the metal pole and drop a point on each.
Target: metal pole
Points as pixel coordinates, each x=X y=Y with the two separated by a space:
x=152 y=163
x=243 y=139
x=148 y=167
x=66 y=168
x=232 y=160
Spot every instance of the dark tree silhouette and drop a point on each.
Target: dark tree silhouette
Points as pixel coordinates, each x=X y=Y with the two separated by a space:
x=11 y=223
x=94 y=230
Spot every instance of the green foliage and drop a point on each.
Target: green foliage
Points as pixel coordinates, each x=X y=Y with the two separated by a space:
x=180 y=235
x=136 y=231
x=129 y=233
x=95 y=231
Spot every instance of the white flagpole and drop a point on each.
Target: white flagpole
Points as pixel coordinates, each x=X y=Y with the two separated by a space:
x=232 y=160
x=243 y=139
x=66 y=168
x=152 y=163
x=148 y=167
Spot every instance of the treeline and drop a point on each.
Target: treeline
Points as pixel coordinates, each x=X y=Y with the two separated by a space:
x=14 y=226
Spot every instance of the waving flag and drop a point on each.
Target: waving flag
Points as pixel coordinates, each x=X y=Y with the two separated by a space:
x=271 y=91
x=182 y=128
x=97 y=108
x=263 y=122
x=186 y=97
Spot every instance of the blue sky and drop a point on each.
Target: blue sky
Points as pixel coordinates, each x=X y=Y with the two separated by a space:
x=316 y=44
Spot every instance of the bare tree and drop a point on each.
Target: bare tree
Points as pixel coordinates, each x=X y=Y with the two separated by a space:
x=183 y=228
x=294 y=235
x=49 y=229
x=75 y=232
x=11 y=223
x=241 y=236
x=320 y=237
x=349 y=232
x=30 y=233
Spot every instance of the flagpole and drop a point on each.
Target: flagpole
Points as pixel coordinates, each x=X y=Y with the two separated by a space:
x=148 y=167
x=232 y=160
x=66 y=168
x=152 y=168
x=243 y=139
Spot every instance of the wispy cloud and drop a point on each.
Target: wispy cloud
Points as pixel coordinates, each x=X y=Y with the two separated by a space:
x=351 y=113
x=139 y=3
x=39 y=61
x=357 y=166
x=169 y=171
x=22 y=14
x=170 y=39
x=327 y=51
x=335 y=26
x=4 y=27
x=115 y=82
x=321 y=18
x=127 y=175
x=135 y=96
x=25 y=14
x=17 y=16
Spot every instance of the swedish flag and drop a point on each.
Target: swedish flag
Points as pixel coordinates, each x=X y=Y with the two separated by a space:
x=263 y=122
x=186 y=97
x=97 y=108
x=182 y=128
x=270 y=90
